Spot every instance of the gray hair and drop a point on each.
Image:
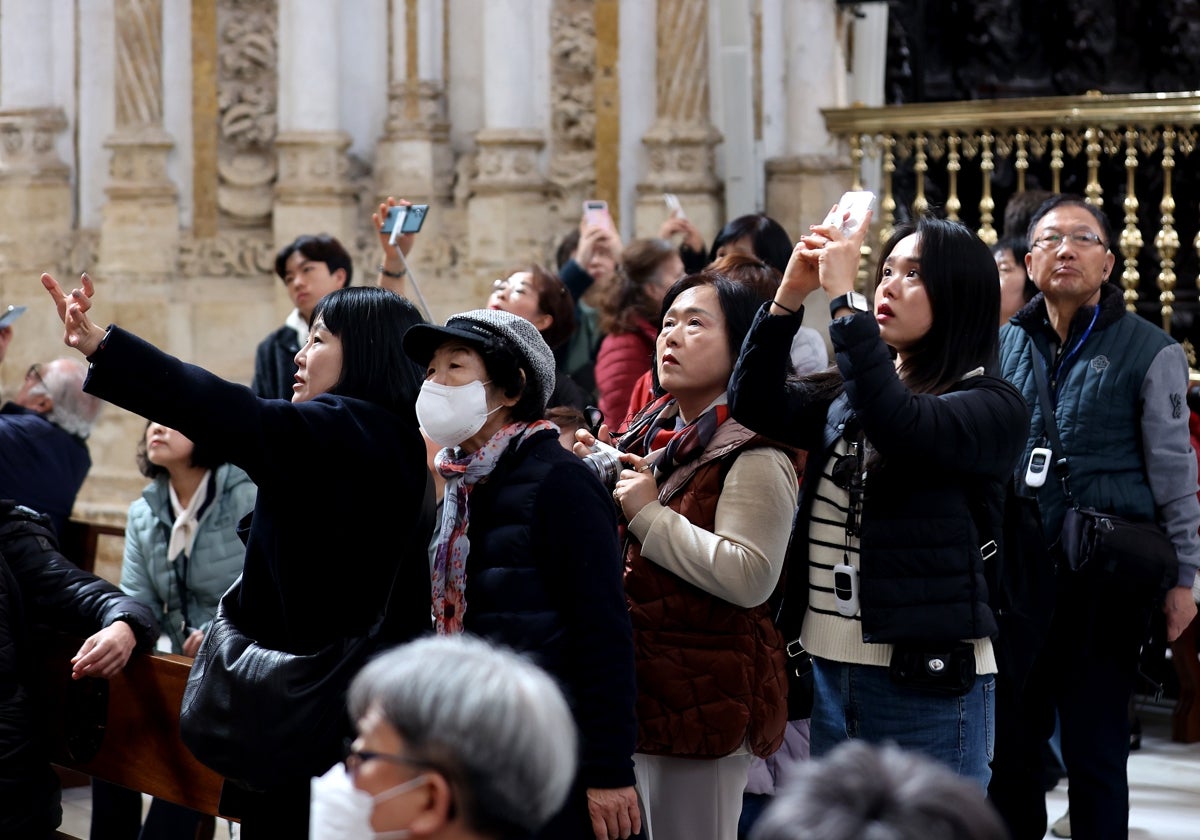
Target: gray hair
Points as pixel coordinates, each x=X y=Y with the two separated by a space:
x=861 y=791
x=493 y=723
x=74 y=411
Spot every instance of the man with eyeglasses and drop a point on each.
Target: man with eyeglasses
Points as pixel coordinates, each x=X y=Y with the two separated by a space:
x=44 y=456
x=1116 y=384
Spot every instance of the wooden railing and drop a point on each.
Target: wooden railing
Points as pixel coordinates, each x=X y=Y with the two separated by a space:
x=1134 y=153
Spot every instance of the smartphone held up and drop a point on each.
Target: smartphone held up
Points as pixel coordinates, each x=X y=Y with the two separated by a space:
x=9 y=315
x=595 y=213
x=402 y=219
x=854 y=202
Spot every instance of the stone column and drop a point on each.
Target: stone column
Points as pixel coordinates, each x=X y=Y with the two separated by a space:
x=313 y=193
x=35 y=191
x=680 y=144
x=413 y=158
x=812 y=172
x=507 y=218
x=140 y=228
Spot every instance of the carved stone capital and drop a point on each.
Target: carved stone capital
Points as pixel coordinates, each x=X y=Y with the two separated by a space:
x=27 y=144
x=682 y=157
x=137 y=170
x=313 y=164
x=415 y=168
x=417 y=111
x=509 y=160
x=247 y=253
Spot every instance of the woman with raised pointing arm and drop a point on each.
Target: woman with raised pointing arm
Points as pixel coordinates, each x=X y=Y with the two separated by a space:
x=325 y=543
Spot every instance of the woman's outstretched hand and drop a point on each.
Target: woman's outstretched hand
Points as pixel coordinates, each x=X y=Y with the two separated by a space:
x=79 y=330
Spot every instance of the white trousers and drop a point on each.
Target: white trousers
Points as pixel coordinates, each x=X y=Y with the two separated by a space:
x=689 y=798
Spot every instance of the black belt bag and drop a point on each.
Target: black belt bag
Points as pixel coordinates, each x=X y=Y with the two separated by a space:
x=938 y=669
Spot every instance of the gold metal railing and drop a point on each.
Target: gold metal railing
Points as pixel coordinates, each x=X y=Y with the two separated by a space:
x=1091 y=141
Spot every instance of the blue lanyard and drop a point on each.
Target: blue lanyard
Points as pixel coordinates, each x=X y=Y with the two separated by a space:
x=1073 y=352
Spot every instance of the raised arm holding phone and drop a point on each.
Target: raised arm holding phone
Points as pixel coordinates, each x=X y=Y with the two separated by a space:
x=903 y=486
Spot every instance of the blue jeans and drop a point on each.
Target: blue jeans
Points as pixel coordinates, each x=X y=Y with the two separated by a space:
x=861 y=701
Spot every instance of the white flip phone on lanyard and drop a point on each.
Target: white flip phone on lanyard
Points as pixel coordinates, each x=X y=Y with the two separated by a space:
x=1039 y=465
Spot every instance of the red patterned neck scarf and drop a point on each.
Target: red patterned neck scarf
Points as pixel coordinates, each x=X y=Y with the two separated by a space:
x=656 y=427
x=449 y=574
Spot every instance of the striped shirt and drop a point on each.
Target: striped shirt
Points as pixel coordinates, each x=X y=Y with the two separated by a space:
x=827 y=633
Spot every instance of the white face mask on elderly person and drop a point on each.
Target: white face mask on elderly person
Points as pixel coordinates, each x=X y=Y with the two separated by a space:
x=339 y=810
x=450 y=414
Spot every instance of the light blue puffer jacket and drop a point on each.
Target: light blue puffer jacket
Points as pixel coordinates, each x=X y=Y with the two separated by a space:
x=215 y=561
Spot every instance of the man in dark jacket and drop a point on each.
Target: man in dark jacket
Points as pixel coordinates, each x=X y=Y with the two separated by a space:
x=43 y=432
x=310 y=267
x=1114 y=391
x=41 y=588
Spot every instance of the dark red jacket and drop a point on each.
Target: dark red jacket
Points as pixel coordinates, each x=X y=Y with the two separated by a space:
x=710 y=674
x=623 y=358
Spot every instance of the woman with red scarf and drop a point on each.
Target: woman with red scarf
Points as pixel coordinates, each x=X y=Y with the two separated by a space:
x=708 y=506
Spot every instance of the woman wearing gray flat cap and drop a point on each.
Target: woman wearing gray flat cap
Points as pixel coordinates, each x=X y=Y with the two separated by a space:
x=527 y=553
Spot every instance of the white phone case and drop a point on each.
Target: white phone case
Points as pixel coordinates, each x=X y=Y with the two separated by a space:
x=857 y=203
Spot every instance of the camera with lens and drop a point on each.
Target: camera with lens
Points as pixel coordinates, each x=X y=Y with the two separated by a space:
x=605 y=462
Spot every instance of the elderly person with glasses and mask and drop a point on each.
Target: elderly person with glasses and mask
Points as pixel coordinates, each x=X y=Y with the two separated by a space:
x=527 y=552
x=457 y=738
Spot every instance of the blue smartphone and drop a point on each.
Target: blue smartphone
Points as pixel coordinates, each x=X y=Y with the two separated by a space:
x=409 y=218
x=11 y=314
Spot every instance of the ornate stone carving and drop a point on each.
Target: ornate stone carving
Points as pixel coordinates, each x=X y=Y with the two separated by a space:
x=138 y=168
x=572 y=159
x=247 y=100
x=427 y=116
x=229 y=254
x=27 y=144
x=313 y=162
x=507 y=161
x=681 y=158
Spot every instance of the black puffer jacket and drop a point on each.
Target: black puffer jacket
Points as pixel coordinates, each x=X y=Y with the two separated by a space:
x=40 y=587
x=544 y=578
x=946 y=460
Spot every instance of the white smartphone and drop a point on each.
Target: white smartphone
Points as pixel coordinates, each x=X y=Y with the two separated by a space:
x=854 y=202
x=595 y=212
x=674 y=208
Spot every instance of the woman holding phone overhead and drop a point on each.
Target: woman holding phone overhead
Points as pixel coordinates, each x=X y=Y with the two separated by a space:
x=326 y=544
x=903 y=485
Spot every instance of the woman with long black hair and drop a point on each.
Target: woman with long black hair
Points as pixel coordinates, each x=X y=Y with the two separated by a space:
x=910 y=439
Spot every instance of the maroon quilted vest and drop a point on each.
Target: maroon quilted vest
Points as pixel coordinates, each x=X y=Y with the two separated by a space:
x=710 y=674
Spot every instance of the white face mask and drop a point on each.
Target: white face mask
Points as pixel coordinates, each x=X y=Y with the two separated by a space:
x=450 y=414
x=339 y=810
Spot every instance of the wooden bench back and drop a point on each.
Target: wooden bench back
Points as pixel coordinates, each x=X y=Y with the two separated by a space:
x=125 y=730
